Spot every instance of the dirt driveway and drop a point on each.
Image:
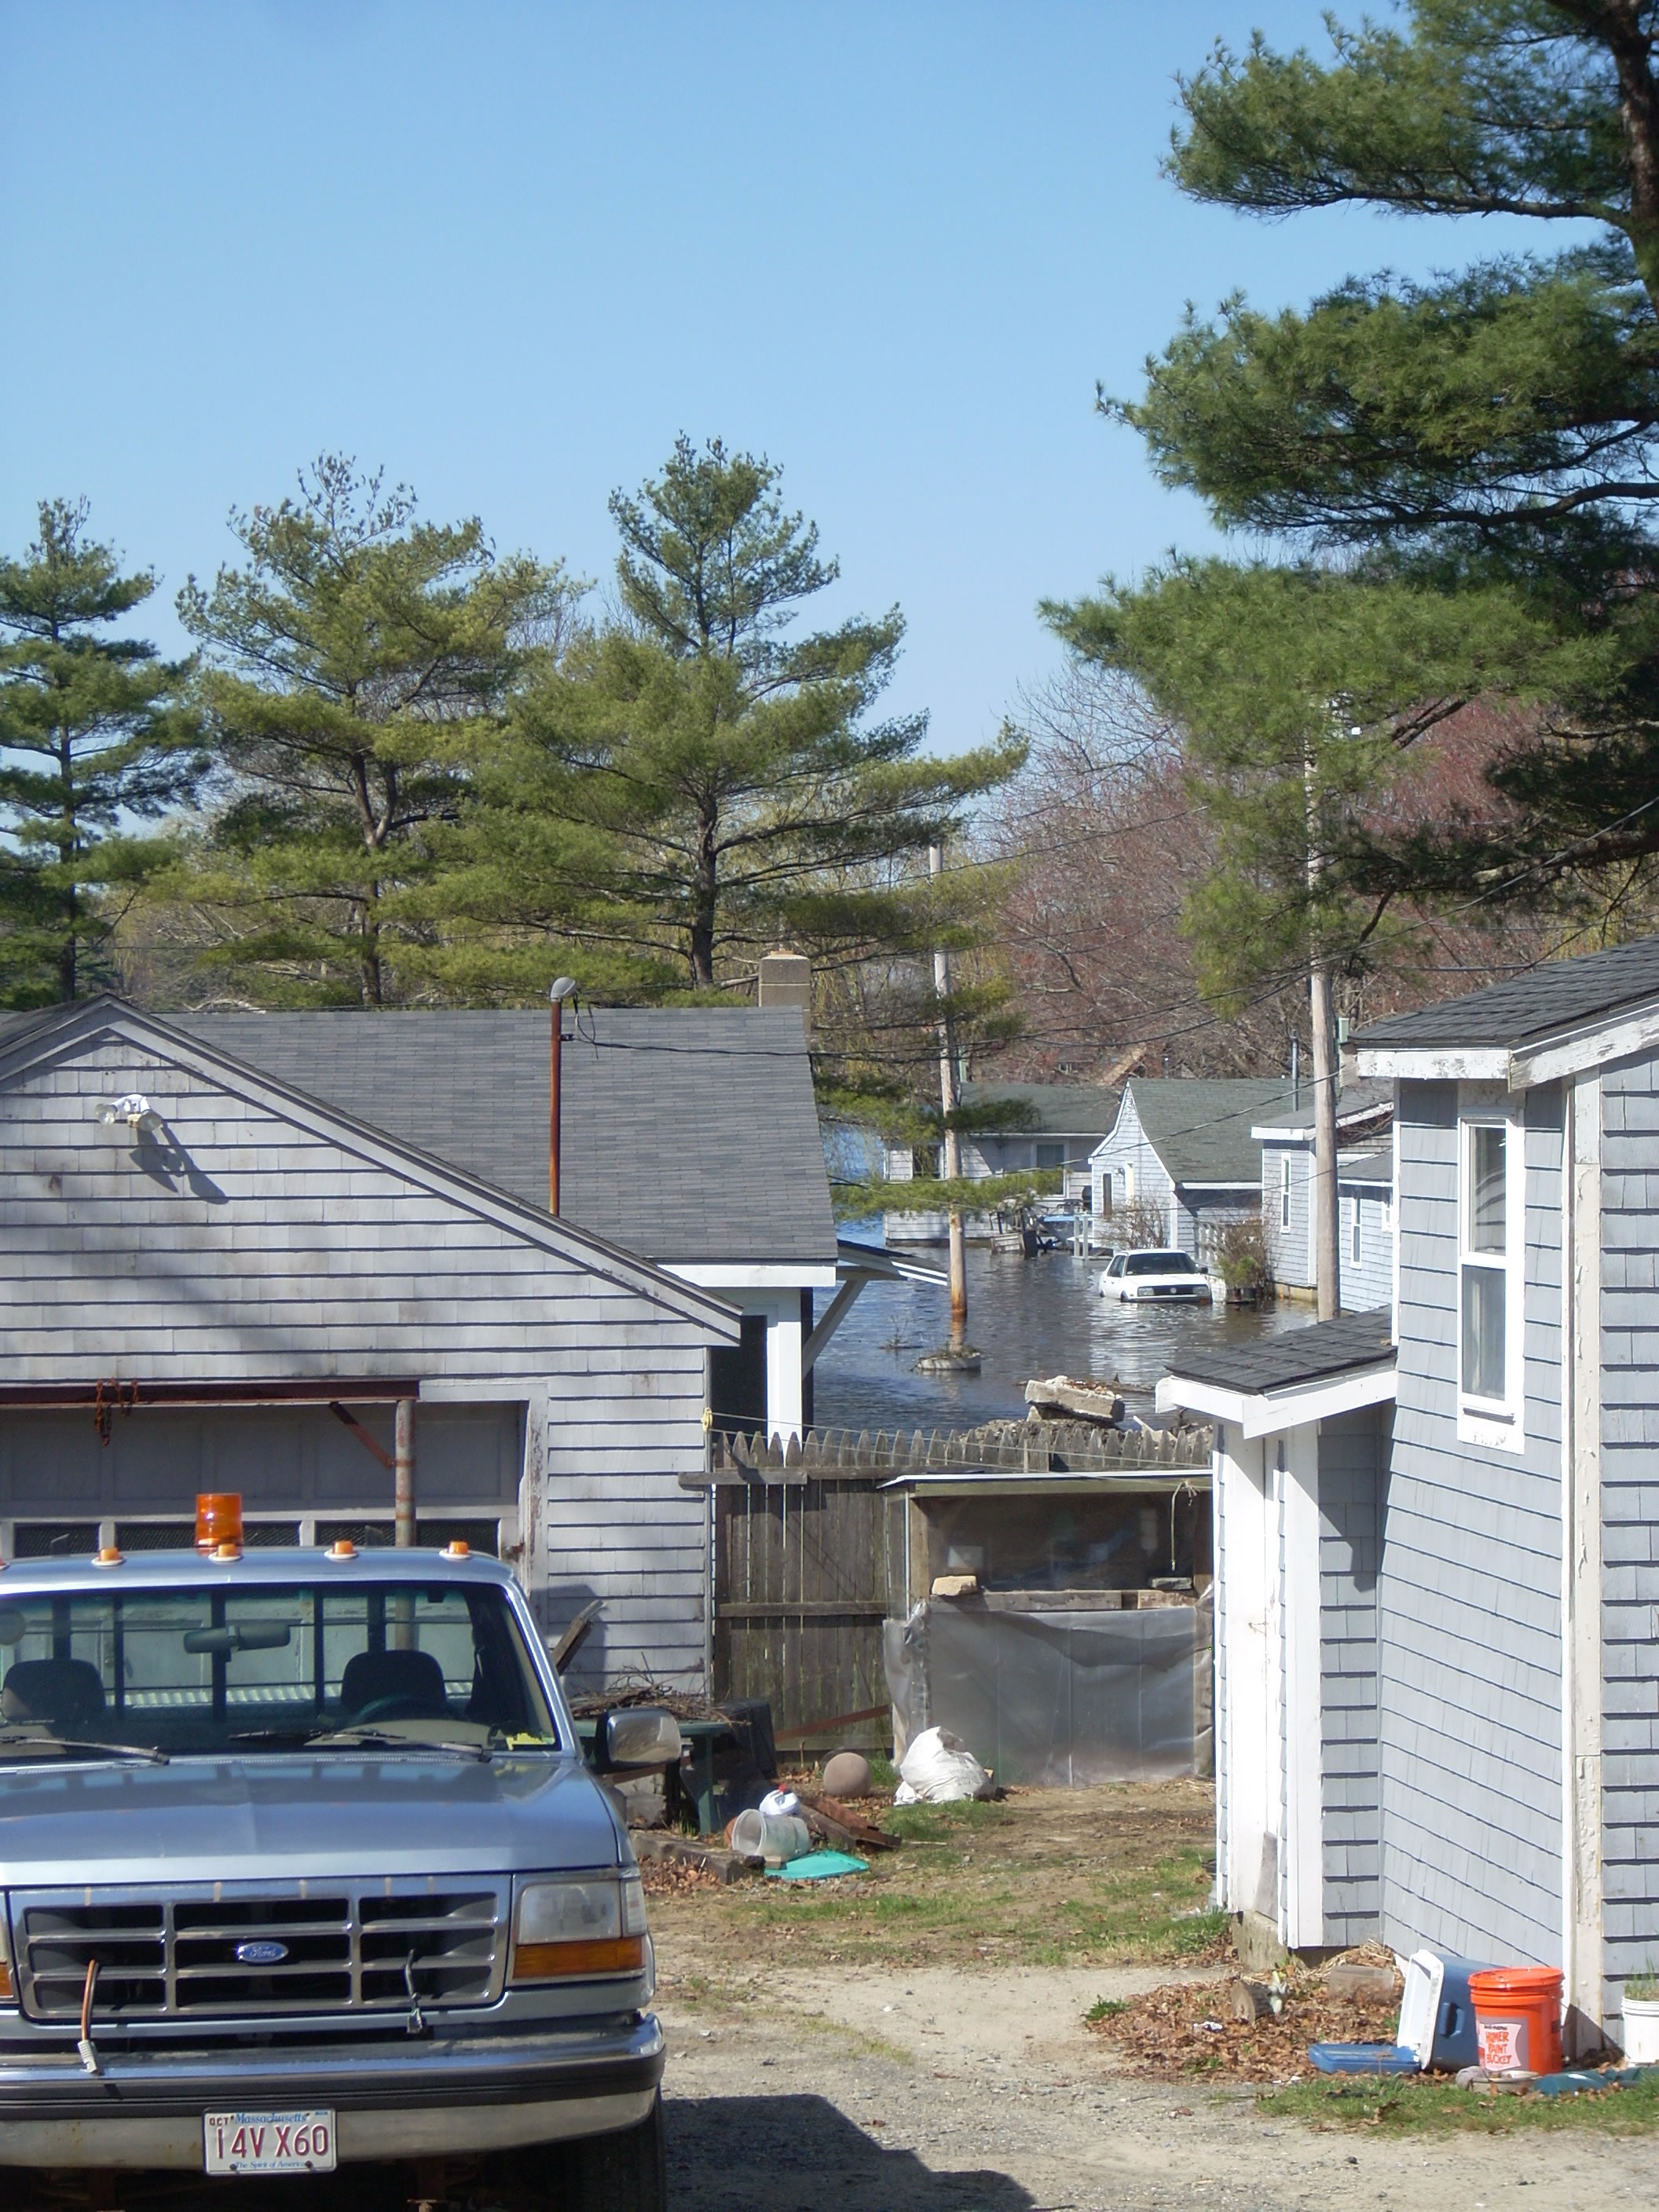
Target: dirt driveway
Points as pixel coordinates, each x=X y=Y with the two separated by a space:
x=807 y=2070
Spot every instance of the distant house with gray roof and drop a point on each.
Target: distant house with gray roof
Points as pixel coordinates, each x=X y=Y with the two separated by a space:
x=1183 y=1146
x=1045 y=1129
x=1365 y=1173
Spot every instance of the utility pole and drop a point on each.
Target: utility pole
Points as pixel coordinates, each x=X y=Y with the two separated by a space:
x=952 y=1149
x=1327 y=1253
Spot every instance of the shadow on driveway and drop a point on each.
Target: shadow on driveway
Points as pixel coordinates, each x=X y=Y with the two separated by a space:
x=800 y=2154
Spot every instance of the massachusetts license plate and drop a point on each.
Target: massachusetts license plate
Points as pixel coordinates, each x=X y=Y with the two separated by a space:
x=269 y=2142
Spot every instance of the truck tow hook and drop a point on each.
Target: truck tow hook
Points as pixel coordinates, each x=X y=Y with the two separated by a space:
x=87 y=2047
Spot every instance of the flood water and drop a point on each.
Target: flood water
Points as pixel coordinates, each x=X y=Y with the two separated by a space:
x=1026 y=1317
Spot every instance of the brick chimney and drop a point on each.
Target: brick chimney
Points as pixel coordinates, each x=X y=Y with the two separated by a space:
x=785 y=979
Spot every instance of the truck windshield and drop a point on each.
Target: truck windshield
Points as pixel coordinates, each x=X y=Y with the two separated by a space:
x=196 y=1671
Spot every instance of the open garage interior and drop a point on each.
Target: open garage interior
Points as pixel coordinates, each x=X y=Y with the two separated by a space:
x=112 y=1473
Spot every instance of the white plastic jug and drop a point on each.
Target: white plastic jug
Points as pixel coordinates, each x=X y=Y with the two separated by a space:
x=777 y=1837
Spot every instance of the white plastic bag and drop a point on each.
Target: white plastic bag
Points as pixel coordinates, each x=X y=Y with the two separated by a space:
x=938 y=1768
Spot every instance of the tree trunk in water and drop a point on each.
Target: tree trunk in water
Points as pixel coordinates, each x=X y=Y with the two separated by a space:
x=1326 y=1254
x=952 y=1148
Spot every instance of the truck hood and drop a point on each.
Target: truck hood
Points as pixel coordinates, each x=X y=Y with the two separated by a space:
x=319 y=1816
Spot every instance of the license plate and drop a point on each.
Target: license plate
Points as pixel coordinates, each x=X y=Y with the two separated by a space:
x=269 y=2142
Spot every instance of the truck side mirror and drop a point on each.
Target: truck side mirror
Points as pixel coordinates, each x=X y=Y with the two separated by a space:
x=641 y=1735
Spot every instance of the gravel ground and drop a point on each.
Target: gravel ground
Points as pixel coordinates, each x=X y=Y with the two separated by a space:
x=951 y=2091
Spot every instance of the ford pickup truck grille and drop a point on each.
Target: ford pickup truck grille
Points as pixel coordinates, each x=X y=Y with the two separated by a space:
x=237 y=1952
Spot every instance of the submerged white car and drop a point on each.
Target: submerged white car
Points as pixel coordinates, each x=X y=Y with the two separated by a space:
x=1135 y=1276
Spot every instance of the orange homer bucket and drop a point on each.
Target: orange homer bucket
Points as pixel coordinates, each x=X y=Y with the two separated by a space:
x=1518 y=2019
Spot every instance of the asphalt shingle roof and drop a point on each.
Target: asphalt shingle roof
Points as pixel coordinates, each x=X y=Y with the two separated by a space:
x=1200 y=1126
x=1065 y=1109
x=1293 y=1356
x=688 y=1134
x=1355 y=1103
x=1370 y=1167
x=1562 y=994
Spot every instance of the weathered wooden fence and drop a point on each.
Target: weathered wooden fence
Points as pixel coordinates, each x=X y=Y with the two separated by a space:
x=805 y=1575
x=809 y=1550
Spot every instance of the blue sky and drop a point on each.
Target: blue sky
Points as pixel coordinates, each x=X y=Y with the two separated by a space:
x=509 y=251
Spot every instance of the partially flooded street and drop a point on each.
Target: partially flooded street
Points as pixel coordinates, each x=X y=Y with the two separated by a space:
x=1026 y=1317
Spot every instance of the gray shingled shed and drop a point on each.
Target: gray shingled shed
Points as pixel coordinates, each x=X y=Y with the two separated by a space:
x=1301 y=1428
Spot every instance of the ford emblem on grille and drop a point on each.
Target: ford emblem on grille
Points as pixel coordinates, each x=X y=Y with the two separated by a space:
x=261 y=1955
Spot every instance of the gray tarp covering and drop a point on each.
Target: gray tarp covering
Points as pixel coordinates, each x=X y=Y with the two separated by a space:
x=1061 y=1697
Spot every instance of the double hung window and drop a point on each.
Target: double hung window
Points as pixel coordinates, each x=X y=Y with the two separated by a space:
x=1285 y=1192
x=1491 y=1199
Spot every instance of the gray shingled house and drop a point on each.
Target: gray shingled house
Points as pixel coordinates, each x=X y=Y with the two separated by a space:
x=1183 y=1145
x=1364 y=1168
x=1486 y=1613
x=220 y=1276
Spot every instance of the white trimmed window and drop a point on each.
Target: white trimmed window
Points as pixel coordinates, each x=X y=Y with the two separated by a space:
x=1353 y=1233
x=1491 y=1239
x=1285 y=1192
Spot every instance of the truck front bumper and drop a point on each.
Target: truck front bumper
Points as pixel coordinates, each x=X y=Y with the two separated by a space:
x=404 y=2099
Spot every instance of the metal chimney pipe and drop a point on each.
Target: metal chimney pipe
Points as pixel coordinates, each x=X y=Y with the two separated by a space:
x=563 y=989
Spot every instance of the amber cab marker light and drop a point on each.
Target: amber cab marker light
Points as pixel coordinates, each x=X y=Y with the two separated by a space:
x=606 y=1955
x=343 y=1548
x=218 y=1520
x=226 y=1550
x=107 y=1556
x=458 y=1548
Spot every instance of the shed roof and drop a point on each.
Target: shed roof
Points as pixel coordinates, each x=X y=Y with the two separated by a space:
x=1293 y=1357
x=688 y=1133
x=1200 y=1126
x=1561 y=994
x=1356 y=1103
x=1061 y=1109
x=1370 y=1167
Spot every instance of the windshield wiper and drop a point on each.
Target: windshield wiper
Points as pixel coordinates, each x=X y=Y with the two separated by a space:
x=11 y=1741
x=374 y=1739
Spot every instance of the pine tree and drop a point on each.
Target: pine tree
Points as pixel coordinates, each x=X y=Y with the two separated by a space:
x=695 y=782
x=356 y=669
x=93 y=738
x=1463 y=473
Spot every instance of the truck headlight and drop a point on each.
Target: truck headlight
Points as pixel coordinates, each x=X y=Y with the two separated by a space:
x=563 y=1928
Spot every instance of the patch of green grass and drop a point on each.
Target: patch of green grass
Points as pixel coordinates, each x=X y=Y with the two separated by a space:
x=1408 y=2105
x=882 y=1773
x=1107 y=2009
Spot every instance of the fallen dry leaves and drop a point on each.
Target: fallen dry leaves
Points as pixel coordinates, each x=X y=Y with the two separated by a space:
x=1182 y=2031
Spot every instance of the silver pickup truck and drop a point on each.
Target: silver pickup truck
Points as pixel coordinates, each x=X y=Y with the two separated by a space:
x=301 y=1865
